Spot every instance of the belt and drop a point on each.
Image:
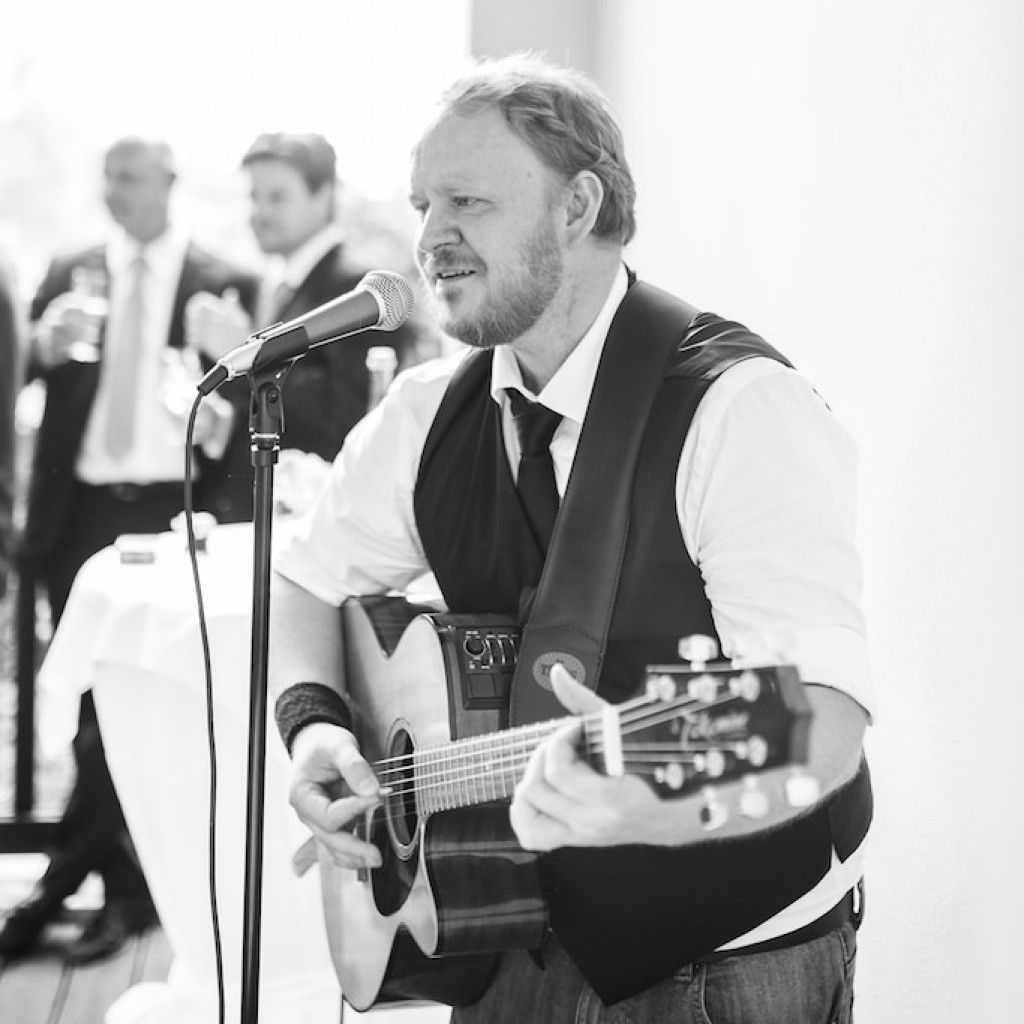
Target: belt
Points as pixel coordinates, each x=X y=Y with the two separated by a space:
x=134 y=494
x=849 y=910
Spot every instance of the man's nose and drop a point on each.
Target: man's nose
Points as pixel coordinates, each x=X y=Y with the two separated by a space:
x=437 y=229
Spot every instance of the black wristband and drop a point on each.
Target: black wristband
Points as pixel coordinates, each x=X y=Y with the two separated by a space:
x=303 y=704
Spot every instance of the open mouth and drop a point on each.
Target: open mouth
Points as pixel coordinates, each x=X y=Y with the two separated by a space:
x=452 y=275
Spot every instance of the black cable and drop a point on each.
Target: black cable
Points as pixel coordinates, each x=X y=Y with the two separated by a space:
x=210 y=731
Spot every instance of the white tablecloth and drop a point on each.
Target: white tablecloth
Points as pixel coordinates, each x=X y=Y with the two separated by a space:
x=130 y=631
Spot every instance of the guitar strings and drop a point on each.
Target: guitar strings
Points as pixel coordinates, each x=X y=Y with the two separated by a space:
x=435 y=767
x=499 y=787
x=633 y=753
x=631 y=719
x=451 y=755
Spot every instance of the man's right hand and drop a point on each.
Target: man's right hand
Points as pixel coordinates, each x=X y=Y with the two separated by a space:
x=331 y=788
x=66 y=330
x=215 y=324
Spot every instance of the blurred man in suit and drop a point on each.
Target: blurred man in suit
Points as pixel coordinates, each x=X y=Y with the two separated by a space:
x=108 y=460
x=293 y=182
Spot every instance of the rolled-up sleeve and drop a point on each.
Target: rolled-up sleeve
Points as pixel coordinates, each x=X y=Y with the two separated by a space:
x=766 y=497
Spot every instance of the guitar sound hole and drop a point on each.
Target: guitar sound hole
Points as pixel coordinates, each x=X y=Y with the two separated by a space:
x=401 y=805
x=397 y=840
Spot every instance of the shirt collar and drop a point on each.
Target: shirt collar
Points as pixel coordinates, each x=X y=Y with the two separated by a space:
x=568 y=391
x=293 y=269
x=165 y=250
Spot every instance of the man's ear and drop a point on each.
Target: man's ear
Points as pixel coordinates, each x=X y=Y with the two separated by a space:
x=585 y=196
x=325 y=196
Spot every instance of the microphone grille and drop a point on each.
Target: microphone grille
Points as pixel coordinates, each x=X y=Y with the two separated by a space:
x=393 y=295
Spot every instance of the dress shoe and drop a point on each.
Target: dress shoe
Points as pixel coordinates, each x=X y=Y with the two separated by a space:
x=26 y=922
x=107 y=931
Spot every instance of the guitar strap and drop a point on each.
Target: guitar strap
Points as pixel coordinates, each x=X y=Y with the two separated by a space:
x=572 y=606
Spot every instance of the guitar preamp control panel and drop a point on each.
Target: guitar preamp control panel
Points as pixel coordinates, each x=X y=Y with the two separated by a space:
x=481 y=655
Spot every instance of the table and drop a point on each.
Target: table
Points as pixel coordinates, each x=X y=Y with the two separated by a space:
x=130 y=631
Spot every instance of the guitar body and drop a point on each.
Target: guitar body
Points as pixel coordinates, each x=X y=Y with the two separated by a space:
x=456 y=885
x=429 y=694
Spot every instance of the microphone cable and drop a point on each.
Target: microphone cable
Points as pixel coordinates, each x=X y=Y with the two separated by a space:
x=211 y=737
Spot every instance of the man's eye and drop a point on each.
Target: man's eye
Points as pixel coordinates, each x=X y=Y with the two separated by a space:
x=465 y=202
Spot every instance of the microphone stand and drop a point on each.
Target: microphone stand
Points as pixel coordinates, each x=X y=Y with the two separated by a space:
x=266 y=421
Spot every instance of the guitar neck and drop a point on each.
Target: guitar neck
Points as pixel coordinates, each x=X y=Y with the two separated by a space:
x=693 y=726
x=481 y=769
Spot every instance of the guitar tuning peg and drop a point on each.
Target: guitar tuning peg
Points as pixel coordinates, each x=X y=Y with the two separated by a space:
x=702 y=688
x=661 y=687
x=713 y=813
x=754 y=802
x=698 y=649
x=746 y=685
x=754 y=751
x=802 y=789
x=671 y=774
x=710 y=763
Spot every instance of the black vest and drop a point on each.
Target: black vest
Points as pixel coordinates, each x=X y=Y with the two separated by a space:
x=483 y=554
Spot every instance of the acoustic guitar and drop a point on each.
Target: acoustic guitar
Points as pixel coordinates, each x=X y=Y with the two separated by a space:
x=429 y=696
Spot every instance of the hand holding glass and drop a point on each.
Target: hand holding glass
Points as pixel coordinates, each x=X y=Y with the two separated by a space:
x=71 y=327
x=215 y=324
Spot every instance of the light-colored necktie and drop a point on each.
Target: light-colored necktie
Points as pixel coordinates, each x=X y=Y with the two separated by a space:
x=272 y=302
x=123 y=364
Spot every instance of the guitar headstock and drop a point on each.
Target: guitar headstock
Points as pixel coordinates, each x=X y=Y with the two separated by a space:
x=705 y=722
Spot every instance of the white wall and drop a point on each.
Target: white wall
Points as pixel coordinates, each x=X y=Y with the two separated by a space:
x=848 y=180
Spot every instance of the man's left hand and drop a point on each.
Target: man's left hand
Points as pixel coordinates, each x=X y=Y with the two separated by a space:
x=562 y=801
x=214 y=324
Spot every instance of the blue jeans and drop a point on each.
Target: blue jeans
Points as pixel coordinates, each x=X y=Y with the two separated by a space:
x=810 y=983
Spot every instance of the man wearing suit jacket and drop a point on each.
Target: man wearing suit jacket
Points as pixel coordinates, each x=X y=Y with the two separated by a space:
x=109 y=460
x=294 y=219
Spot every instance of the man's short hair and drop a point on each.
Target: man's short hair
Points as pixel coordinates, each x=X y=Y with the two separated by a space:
x=158 y=151
x=566 y=121
x=310 y=154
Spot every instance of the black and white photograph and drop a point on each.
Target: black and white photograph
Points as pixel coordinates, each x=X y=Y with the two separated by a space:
x=510 y=512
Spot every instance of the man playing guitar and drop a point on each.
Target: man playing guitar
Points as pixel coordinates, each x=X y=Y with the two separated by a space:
x=740 y=509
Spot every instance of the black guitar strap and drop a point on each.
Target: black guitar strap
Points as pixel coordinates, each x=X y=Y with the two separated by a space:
x=572 y=607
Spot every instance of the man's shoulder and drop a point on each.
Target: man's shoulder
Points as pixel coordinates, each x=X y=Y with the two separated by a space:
x=422 y=386
x=65 y=260
x=335 y=273
x=431 y=375
x=712 y=345
x=206 y=261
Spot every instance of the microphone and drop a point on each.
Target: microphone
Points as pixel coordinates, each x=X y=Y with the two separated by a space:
x=381 y=301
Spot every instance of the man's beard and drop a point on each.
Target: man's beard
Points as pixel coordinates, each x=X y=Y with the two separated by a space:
x=520 y=300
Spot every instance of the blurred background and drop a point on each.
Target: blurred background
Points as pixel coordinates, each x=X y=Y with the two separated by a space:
x=209 y=76
x=845 y=179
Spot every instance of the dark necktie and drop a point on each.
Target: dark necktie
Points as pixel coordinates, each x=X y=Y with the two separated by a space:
x=535 y=426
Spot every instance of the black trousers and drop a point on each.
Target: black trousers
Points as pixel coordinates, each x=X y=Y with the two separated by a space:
x=92 y=834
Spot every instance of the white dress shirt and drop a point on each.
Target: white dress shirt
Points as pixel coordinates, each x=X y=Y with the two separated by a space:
x=292 y=270
x=156 y=454
x=765 y=495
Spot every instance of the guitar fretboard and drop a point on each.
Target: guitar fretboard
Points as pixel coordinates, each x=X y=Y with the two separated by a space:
x=478 y=769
